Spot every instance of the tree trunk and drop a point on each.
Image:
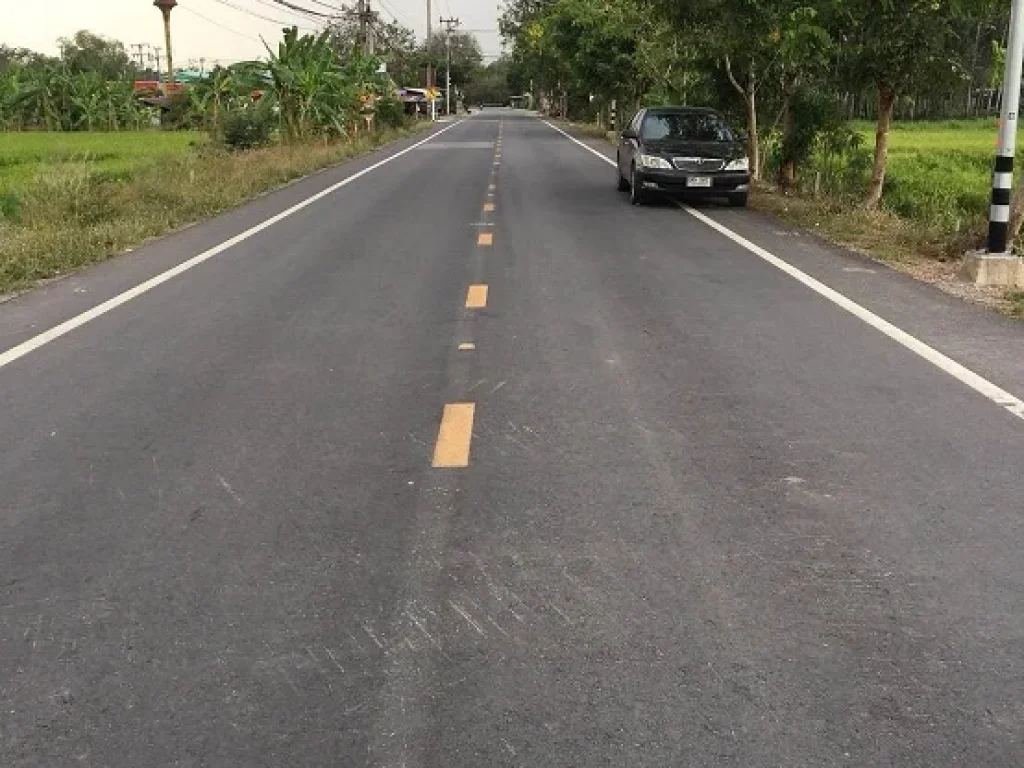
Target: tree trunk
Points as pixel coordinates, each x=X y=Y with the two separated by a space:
x=787 y=170
x=886 y=99
x=749 y=94
x=753 y=147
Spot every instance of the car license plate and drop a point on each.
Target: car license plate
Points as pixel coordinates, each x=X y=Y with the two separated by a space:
x=698 y=181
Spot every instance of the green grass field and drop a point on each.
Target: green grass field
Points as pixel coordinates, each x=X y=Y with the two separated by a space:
x=969 y=136
x=939 y=173
x=24 y=155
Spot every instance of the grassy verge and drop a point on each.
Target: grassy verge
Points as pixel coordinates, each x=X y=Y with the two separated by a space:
x=70 y=214
x=24 y=155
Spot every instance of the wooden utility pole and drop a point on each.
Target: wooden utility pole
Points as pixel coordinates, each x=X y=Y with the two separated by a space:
x=166 y=6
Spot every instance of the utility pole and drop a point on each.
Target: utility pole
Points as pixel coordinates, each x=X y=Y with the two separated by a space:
x=366 y=20
x=451 y=24
x=166 y=6
x=430 y=37
x=137 y=47
x=1002 y=179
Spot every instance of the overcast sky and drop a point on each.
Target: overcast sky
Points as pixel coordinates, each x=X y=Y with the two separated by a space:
x=224 y=30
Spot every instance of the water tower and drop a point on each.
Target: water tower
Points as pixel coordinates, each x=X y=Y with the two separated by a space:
x=165 y=7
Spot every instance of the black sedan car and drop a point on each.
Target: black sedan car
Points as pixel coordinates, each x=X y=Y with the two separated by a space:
x=683 y=151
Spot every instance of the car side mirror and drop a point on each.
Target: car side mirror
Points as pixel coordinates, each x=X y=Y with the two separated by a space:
x=629 y=133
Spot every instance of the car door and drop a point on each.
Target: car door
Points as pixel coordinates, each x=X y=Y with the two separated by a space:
x=627 y=147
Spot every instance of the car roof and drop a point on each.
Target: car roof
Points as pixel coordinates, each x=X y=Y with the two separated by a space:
x=681 y=110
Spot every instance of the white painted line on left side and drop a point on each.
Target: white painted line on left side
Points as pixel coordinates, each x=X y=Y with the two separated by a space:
x=19 y=351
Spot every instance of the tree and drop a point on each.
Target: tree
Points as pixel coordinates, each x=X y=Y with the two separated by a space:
x=394 y=44
x=490 y=84
x=894 y=45
x=466 y=55
x=88 y=52
x=21 y=57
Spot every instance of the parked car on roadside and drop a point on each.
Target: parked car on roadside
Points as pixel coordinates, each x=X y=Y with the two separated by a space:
x=685 y=152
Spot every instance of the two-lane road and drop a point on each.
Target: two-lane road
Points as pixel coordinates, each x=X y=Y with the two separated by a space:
x=467 y=462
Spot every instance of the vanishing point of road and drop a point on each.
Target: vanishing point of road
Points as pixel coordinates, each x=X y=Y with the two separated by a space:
x=450 y=457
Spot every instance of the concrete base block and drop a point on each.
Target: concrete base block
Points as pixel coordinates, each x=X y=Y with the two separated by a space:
x=1001 y=269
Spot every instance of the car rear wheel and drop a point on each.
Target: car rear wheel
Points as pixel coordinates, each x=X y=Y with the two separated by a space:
x=636 y=195
x=739 y=199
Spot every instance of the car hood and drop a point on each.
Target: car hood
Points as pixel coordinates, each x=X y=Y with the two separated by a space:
x=716 y=149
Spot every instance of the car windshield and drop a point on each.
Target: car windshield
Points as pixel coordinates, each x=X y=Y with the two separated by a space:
x=685 y=126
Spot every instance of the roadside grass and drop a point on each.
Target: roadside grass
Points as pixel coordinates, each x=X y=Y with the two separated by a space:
x=1015 y=299
x=590 y=130
x=25 y=154
x=70 y=214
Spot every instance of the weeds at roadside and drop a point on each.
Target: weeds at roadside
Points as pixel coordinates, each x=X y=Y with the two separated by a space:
x=73 y=214
x=1015 y=300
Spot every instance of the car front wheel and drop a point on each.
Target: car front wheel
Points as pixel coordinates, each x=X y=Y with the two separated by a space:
x=739 y=199
x=636 y=195
x=623 y=184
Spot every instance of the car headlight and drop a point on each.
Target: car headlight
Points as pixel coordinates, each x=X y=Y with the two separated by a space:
x=653 y=161
x=740 y=164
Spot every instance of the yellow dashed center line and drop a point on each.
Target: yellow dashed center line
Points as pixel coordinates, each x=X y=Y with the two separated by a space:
x=476 y=297
x=454 y=436
x=485 y=238
x=488 y=207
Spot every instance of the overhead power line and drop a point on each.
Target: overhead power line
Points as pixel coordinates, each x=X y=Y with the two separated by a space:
x=250 y=12
x=397 y=16
x=337 y=8
x=218 y=24
x=270 y=4
x=300 y=9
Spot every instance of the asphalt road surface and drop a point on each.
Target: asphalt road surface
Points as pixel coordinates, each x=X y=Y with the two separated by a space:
x=677 y=505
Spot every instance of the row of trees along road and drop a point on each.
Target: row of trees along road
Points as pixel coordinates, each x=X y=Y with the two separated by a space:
x=88 y=87
x=792 y=71
x=316 y=81
x=406 y=59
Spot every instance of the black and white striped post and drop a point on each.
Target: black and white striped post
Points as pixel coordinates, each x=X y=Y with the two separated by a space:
x=1002 y=179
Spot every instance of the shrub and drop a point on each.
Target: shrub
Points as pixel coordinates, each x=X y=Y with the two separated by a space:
x=391 y=113
x=247 y=128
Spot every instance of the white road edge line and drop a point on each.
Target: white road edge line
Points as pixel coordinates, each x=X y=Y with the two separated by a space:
x=16 y=352
x=963 y=374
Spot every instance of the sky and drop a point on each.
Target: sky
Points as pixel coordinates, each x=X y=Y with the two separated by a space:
x=220 y=31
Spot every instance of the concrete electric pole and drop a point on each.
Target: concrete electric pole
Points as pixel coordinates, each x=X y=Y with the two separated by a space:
x=166 y=6
x=1002 y=179
x=367 y=18
x=449 y=24
x=997 y=265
